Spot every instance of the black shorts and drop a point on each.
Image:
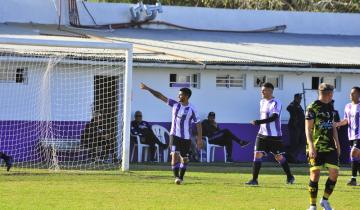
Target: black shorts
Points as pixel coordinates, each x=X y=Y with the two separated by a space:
x=324 y=159
x=181 y=145
x=266 y=144
x=355 y=143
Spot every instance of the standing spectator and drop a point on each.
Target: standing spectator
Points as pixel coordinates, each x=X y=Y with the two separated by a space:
x=8 y=160
x=147 y=136
x=296 y=128
x=222 y=137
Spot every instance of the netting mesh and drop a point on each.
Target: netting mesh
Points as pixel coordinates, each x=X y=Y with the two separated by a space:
x=61 y=108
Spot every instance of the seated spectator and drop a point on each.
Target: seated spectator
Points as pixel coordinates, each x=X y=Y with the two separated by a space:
x=95 y=137
x=8 y=160
x=143 y=129
x=222 y=137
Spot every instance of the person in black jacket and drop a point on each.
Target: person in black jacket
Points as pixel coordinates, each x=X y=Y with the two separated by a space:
x=296 y=126
x=147 y=136
x=94 y=137
x=222 y=137
x=8 y=160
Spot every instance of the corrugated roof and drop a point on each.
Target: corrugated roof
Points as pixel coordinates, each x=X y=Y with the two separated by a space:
x=214 y=48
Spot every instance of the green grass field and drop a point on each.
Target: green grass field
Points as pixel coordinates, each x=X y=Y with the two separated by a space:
x=216 y=186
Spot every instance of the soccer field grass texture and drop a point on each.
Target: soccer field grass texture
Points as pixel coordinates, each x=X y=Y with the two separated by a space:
x=216 y=186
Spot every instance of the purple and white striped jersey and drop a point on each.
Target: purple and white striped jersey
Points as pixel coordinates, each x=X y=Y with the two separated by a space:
x=182 y=117
x=351 y=114
x=267 y=108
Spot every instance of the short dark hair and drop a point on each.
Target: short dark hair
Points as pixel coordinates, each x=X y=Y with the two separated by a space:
x=268 y=85
x=356 y=88
x=186 y=91
x=298 y=95
x=211 y=114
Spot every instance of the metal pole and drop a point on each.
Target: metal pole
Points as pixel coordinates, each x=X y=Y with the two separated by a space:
x=127 y=111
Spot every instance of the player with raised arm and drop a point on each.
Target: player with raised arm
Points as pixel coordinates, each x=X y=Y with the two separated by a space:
x=269 y=137
x=352 y=119
x=183 y=114
x=323 y=146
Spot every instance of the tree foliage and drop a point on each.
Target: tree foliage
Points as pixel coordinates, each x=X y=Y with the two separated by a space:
x=350 y=6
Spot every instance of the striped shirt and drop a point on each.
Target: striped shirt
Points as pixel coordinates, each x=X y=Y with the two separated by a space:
x=182 y=117
x=267 y=108
x=351 y=114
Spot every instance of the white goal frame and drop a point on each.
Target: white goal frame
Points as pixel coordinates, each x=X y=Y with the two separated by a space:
x=127 y=47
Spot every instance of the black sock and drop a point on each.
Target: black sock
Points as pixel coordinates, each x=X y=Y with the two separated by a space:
x=284 y=164
x=256 y=168
x=182 y=170
x=175 y=169
x=329 y=188
x=313 y=190
x=354 y=167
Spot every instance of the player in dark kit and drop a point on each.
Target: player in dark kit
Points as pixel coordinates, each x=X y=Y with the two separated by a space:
x=323 y=146
x=268 y=139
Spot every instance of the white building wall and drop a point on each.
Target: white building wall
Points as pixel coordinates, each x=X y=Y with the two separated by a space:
x=26 y=11
x=230 y=19
x=72 y=95
x=71 y=98
x=232 y=105
x=47 y=12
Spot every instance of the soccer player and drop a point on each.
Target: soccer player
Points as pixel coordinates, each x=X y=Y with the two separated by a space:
x=352 y=119
x=269 y=136
x=8 y=160
x=323 y=146
x=183 y=113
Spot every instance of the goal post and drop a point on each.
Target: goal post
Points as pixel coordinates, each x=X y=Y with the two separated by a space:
x=66 y=103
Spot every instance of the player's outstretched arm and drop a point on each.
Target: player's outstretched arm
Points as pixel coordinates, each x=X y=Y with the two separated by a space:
x=154 y=92
x=341 y=123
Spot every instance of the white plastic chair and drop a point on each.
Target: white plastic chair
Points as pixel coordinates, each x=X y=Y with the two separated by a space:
x=210 y=151
x=142 y=147
x=160 y=132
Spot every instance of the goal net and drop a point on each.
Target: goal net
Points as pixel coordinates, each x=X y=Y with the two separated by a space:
x=65 y=105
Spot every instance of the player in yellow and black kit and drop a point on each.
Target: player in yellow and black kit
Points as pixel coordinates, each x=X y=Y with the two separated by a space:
x=323 y=147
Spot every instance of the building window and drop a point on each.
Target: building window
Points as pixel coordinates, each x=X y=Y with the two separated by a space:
x=229 y=81
x=274 y=80
x=13 y=75
x=316 y=81
x=185 y=80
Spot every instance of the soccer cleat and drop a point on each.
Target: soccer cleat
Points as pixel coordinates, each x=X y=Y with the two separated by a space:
x=252 y=182
x=244 y=143
x=229 y=160
x=178 y=181
x=312 y=208
x=290 y=180
x=352 y=182
x=325 y=204
x=9 y=163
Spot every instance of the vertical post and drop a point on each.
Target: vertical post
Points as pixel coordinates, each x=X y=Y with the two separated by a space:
x=127 y=110
x=304 y=96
